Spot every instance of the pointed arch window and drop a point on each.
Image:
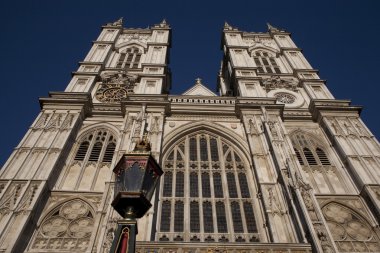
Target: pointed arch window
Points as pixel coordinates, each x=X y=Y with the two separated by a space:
x=317 y=167
x=309 y=156
x=92 y=161
x=322 y=157
x=216 y=201
x=265 y=62
x=130 y=58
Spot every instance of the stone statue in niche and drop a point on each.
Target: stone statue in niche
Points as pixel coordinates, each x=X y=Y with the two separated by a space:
x=272 y=128
x=276 y=82
x=336 y=128
x=349 y=129
x=252 y=127
x=274 y=205
x=155 y=125
x=359 y=128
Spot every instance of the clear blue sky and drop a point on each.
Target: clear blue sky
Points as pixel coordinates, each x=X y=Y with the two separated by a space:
x=42 y=42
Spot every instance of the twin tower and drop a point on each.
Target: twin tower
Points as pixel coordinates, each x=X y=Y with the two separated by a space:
x=273 y=163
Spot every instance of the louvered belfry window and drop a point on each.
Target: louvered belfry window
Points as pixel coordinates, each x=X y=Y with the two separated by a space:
x=265 y=62
x=129 y=59
x=207 y=191
x=97 y=146
x=318 y=169
x=90 y=166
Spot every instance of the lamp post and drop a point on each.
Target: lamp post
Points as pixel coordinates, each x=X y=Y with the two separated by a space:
x=137 y=174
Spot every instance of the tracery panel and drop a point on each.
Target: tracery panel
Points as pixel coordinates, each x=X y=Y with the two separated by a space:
x=66 y=228
x=317 y=167
x=351 y=232
x=87 y=170
x=212 y=192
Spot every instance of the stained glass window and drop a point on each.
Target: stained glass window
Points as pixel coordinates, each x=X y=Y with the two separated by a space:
x=194 y=217
x=210 y=172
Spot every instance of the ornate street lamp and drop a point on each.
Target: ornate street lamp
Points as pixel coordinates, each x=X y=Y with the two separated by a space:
x=137 y=174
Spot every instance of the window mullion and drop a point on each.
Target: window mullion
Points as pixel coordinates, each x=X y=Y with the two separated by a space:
x=186 y=224
x=85 y=160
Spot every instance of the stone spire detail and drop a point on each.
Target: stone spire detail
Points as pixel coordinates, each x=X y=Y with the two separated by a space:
x=118 y=22
x=228 y=27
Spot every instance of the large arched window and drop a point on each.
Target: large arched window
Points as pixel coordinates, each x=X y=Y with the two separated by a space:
x=317 y=167
x=265 y=62
x=206 y=192
x=92 y=162
x=66 y=228
x=130 y=58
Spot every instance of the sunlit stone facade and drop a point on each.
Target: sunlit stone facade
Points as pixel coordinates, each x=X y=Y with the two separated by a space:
x=273 y=163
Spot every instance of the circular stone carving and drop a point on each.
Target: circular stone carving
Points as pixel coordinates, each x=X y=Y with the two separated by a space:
x=74 y=209
x=285 y=98
x=81 y=227
x=111 y=94
x=55 y=226
x=290 y=99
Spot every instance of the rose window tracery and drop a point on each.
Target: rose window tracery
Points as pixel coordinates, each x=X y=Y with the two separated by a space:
x=67 y=228
x=351 y=232
x=285 y=98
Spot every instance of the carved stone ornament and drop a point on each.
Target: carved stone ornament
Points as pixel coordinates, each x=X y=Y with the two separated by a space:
x=133 y=37
x=276 y=82
x=258 y=41
x=118 y=22
x=115 y=86
x=66 y=228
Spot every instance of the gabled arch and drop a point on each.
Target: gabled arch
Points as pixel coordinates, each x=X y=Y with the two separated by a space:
x=59 y=203
x=190 y=186
x=68 y=222
x=89 y=164
x=215 y=128
x=350 y=229
x=102 y=124
x=317 y=166
x=255 y=48
x=132 y=43
x=266 y=61
x=317 y=142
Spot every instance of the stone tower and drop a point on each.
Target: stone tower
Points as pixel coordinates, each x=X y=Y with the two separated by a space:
x=274 y=163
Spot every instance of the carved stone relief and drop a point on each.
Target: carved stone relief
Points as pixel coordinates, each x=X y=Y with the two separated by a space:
x=257 y=41
x=115 y=86
x=67 y=228
x=27 y=200
x=10 y=198
x=136 y=37
x=54 y=121
x=276 y=82
x=351 y=232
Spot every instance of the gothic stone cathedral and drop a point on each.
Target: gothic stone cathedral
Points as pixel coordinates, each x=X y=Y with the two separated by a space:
x=274 y=163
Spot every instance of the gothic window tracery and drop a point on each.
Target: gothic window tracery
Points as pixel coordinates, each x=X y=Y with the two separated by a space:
x=317 y=168
x=350 y=231
x=130 y=58
x=265 y=62
x=215 y=193
x=67 y=228
x=92 y=161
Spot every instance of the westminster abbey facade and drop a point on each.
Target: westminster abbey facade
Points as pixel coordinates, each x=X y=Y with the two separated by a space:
x=270 y=163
